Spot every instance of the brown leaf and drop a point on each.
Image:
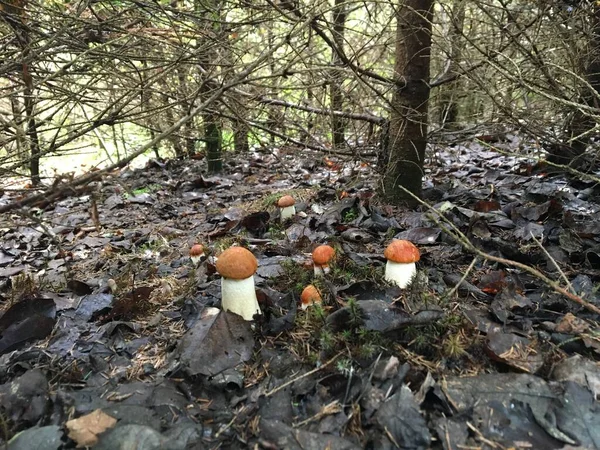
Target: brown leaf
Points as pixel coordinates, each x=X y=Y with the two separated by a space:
x=493 y=282
x=486 y=206
x=85 y=429
x=570 y=324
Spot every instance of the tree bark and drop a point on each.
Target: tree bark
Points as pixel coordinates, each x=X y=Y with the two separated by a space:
x=338 y=124
x=14 y=12
x=212 y=131
x=449 y=100
x=405 y=149
x=208 y=61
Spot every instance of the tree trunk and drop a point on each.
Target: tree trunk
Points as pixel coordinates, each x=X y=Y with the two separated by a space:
x=236 y=103
x=14 y=12
x=403 y=163
x=208 y=60
x=273 y=122
x=212 y=131
x=187 y=130
x=338 y=124
x=449 y=100
x=32 y=134
x=240 y=133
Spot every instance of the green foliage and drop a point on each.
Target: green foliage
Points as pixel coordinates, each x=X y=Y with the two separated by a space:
x=346 y=271
x=276 y=230
x=442 y=338
x=146 y=189
x=344 y=366
x=355 y=313
x=350 y=215
x=223 y=244
x=294 y=276
x=453 y=346
x=327 y=340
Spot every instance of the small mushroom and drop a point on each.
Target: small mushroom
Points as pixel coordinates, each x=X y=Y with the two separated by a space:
x=196 y=253
x=237 y=266
x=310 y=296
x=322 y=257
x=286 y=207
x=401 y=257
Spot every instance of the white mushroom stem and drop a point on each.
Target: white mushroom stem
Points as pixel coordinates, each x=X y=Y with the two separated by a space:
x=321 y=270
x=400 y=273
x=239 y=297
x=196 y=259
x=288 y=212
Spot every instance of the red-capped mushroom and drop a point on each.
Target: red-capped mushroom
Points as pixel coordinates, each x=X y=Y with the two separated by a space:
x=196 y=253
x=401 y=257
x=322 y=257
x=310 y=296
x=237 y=266
x=286 y=207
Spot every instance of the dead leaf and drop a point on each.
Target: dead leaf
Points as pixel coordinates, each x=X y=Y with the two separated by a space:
x=486 y=206
x=570 y=324
x=515 y=351
x=85 y=429
x=492 y=282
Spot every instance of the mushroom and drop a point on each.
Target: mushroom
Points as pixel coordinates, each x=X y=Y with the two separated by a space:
x=196 y=253
x=401 y=256
x=310 y=296
x=287 y=209
x=322 y=257
x=236 y=265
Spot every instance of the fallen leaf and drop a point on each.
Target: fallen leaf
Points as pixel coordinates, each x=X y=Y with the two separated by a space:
x=85 y=429
x=570 y=324
x=493 y=282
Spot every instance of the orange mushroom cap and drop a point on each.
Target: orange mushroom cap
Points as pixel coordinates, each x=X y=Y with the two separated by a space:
x=237 y=263
x=401 y=251
x=196 y=250
x=310 y=295
x=323 y=254
x=285 y=201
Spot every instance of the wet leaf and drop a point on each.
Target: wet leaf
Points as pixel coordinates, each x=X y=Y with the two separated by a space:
x=38 y=438
x=26 y=321
x=257 y=223
x=400 y=418
x=420 y=235
x=216 y=342
x=515 y=351
x=79 y=287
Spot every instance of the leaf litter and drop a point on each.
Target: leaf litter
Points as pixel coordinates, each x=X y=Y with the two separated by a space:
x=110 y=336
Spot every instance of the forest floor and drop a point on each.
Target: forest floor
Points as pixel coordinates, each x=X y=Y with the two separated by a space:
x=111 y=337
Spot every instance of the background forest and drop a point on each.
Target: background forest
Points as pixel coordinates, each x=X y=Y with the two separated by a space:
x=368 y=80
x=299 y=224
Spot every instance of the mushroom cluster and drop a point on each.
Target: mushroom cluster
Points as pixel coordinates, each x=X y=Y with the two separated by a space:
x=237 y=266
